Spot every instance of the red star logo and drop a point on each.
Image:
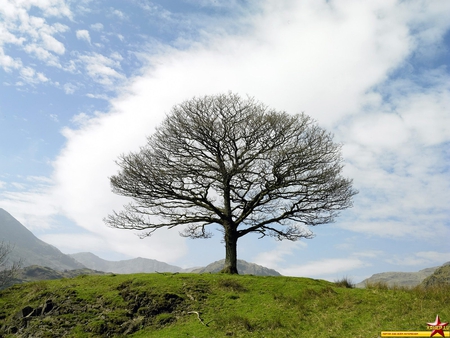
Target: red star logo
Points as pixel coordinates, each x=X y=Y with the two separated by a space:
x=439 y=330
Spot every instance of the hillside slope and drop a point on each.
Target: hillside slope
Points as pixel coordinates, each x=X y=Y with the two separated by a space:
x=408 y=279
x=441 y=276
x=30 y=249
x=212 y=305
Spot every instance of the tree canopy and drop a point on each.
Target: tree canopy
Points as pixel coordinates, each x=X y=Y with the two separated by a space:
x=233 y=162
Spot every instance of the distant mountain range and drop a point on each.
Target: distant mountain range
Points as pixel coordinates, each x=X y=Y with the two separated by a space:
x=408 y=279
x=34 y=252
x=139 y=264
x=43 y=261
x=134 y=265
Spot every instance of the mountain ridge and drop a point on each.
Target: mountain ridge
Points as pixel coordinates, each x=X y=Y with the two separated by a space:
x=134 y=265
x=139 y=264
x=407 y=279
x=32 y=251
x=29 y=249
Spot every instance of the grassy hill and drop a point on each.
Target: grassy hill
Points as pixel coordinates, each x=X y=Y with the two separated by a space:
x=213 y=305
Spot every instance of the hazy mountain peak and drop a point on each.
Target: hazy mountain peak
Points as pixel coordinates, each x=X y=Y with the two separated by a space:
x=30 y=249
x=244 y=268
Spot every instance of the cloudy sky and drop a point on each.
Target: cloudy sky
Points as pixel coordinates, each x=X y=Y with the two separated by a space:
x=84 y=81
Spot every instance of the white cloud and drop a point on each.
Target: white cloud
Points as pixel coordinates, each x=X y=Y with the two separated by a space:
x=285 y=254
x=39 y=179
x=97 y=26
x=34 y=34
x=118 y=13
x=54 y=117
x=29 y=75
x=323 y=268
x=103 y=239
x=73 y=243
x=116 y=56
x=8 y=63
x=83 y=34
x=397 y=160
x=80 y=119
x=214 y=3
x=101 y=68
x=98 y=96
x=280 y=254
x=428 y=258
x=42 y=54
x=369 y=254
x=69 y=88
x=53 y=45
x=34 y=209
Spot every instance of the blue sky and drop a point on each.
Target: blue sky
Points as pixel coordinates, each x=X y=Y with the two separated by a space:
x=84 y=81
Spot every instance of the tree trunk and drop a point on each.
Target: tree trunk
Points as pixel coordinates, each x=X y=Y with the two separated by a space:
x=230 y=265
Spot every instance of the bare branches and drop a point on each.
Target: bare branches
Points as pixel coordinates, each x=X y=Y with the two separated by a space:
x=233 y=162
x=7 y=272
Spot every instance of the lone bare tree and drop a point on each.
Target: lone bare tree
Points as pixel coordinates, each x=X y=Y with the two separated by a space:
x=233 y=162
x=7 y=271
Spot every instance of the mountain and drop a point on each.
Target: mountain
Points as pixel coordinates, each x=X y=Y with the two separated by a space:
x=31 y=250
x=139 y=264
x=439 y=277
x=134 y=265
x=244 y=268
x=408 y=279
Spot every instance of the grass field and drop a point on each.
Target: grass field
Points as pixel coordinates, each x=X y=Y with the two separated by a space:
x=214 y=305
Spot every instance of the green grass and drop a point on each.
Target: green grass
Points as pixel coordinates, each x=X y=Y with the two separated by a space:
x=216 y=305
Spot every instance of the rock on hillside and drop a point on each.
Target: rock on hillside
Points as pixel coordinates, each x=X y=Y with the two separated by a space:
x=29 y=249
x=244 y=268
x=439 y=277
x=134 y=265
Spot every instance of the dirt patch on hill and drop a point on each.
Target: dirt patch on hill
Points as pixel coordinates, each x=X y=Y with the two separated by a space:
x=60 y=316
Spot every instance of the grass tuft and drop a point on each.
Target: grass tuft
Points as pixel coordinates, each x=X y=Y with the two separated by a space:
x=345 y=282
x=377 y=285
